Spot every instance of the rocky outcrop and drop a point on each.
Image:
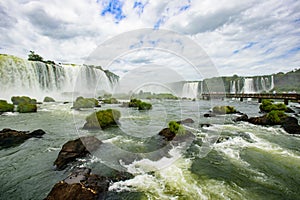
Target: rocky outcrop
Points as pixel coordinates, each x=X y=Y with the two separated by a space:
x=48 y=99
x=74 y=149
x=209 y=115
x=10 y=138
x=291 y=125
x=81 y=184
x=167 y=134
x=243 y=118
x=102 y=119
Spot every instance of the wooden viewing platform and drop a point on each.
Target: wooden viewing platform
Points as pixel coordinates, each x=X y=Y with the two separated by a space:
x=285 y=96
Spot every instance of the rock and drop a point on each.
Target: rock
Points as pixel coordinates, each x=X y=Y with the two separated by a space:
x=74 y=149
x=209 y=115
x=110 y=101
x=222 y=139
x=9 y=137
x=291 y=125
x=224 y=110
x=136 y=103
x=6 y=107
x=102 y=119
x=26 y=108
x=81 y=184
x=275 y=117
x=48 y=99
x=186 y=121
x=205 y=125
x=289 y=110
x=167 y=134
x=22 y=100
x=243 y=118
x=85 y=103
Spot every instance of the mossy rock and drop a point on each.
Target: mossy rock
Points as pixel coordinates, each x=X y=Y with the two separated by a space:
x=110 y=101
x=276 y=117
x=26 y=108
x=176 y=128
x=48 y=99
x=22 y=100
x=268 y=105
x=136 y=103
x=85 y=103
x=102 y=119
x=224 y=110
x=6 y=107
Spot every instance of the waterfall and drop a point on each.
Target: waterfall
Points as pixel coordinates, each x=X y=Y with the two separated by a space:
x=248 y=85
x=272 y=83
x=232 y=87
x=37 y=79
x=190 y=90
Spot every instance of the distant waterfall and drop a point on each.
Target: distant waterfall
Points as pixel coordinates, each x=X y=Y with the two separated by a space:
x=248 y=85
x=232 y=87
x=190 y=90
x=37 y=79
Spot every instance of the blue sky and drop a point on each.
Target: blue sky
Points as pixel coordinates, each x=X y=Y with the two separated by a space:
x=249 y=37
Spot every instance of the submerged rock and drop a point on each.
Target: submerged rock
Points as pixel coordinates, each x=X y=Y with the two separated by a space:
x=209 y=115
x=167 y=134
x=81 y=184
x=186 y=121
x=74 y=149
x=9 y=137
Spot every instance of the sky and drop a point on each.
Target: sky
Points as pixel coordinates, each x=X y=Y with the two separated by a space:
x=249 y=37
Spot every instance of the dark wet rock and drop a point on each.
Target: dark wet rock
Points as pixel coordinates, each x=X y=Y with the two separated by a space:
x=222 y=139
x=243 y=118
x=262 y=120
x=66 y=102
x=74 y=149
x=9 y=137
x=209 y=115
x=186 y=121
x=289 y=110
x=81 y=184
x=291 y=125
x=167 y=134
x=205 y=125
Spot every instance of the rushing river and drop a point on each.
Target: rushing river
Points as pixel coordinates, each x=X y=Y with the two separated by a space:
x=252 y=162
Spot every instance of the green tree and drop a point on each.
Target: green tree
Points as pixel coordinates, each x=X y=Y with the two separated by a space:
x=34 y=57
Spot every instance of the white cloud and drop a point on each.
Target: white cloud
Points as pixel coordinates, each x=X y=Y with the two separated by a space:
x=241 y=37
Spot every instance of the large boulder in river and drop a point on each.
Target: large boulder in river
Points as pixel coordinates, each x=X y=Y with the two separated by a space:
x=22 y=100
x=10 y=138
x=174 y=128
x=81 y=184
x=274 y=117
x=224 y=110
x=291 y=125
x=102 y=119
x=74 y=149
x=6 y=107
x=48 y=99
x=82 y=102
x=26 y=108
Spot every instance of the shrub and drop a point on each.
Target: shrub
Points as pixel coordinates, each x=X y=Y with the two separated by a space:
x=268 y=106
x=26 y=108
x=6 y=107
x=102 y=119
x=22 y=100
x=276 y=116
x=176 y=128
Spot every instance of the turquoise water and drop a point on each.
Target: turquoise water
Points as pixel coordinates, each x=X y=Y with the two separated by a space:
x=254 y=163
